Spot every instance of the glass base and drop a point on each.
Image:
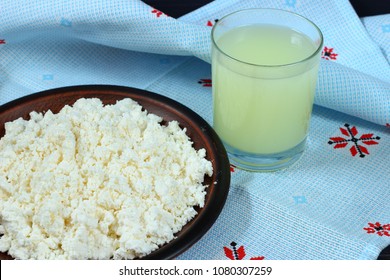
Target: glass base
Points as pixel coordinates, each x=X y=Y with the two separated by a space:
x=265 y=162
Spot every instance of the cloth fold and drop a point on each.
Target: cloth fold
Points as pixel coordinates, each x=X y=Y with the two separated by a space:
x=133 y=25
x=333 y=204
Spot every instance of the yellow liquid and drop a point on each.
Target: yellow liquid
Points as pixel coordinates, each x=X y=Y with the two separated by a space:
x=258 y=109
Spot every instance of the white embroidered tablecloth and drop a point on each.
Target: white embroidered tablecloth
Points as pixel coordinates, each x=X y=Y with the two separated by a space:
x=332 y=204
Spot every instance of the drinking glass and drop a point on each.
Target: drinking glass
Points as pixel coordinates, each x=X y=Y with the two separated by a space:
x=264 y=72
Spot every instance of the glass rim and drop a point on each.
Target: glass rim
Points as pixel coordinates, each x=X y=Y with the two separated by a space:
x=317 y=50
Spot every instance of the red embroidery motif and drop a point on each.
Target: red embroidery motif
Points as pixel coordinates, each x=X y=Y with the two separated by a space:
x=356 y=148
x=211 y=23
x=232 y=168
x=2 y=41
x=381 y=230
x=205 y=82
x=238 y=253
x=328 y=54
x=157 y=12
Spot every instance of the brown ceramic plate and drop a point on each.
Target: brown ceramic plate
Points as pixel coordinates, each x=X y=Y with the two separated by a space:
x=200 y=132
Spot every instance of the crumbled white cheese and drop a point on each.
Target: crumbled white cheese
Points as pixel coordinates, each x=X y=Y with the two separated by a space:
x=96 y=182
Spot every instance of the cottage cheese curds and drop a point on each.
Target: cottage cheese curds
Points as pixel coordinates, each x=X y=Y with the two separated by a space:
x=96 y=182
